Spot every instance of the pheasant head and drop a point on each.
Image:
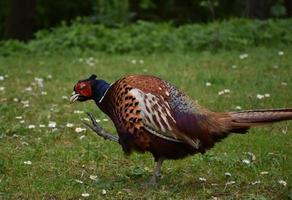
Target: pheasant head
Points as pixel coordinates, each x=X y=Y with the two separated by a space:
x=89 y=89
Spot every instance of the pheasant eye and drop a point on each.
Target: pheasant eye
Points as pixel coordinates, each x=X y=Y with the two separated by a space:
x=82 y=86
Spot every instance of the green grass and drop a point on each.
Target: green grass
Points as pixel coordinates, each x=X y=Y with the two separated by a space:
x=59 y=157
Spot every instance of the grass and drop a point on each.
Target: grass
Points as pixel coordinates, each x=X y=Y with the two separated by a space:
x=60 y=160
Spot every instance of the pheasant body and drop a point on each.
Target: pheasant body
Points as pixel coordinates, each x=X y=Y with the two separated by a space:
x=152 y=115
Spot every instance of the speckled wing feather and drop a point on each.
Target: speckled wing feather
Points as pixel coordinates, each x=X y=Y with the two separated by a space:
x=155 y=114
x=143 y=104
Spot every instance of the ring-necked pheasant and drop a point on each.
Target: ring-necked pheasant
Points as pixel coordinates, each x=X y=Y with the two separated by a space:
x=152 y=115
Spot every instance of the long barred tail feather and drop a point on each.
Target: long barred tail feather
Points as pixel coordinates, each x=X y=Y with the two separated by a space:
x=262 y=116
x=241 y=121
x=248 y=118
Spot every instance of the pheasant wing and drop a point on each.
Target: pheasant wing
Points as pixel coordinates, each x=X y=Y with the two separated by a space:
x=156 y=117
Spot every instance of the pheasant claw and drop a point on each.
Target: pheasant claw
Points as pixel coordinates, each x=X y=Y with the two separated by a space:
x=99 y=130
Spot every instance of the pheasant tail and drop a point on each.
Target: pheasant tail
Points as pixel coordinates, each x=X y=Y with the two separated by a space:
x=241 y=121
x=258 y=117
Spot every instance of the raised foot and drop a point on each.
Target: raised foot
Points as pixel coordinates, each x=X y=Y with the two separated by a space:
x=99 y=130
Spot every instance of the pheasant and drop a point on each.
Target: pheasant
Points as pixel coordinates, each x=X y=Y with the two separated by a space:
x=151 y=115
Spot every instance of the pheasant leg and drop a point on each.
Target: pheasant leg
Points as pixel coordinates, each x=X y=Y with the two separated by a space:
x=99 y=130
x=156 y=174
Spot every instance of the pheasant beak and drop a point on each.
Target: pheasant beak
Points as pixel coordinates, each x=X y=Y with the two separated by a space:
x=74 y=97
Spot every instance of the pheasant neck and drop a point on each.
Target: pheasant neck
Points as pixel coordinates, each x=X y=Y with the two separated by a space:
x=100 y=90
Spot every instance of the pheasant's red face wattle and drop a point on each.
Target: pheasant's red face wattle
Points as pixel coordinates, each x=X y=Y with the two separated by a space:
x=84 y=89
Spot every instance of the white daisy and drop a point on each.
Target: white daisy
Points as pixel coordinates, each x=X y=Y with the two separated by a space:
x=52 y=124
x=260 y=96
x=243 y=56
x=264 y=173
x=31 y=126
x=202 y=179
x=93 y=177
x=227 y=174
x=282 y=182
x=78 y=181
x=28 y=162
x=69 y=125
x=79 y=130
x=85 y=194
x=78 y=112
x=246 y=161
x=208 y=84
x=103 y=191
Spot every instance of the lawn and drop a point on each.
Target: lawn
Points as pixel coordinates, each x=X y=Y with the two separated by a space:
x=47 y=154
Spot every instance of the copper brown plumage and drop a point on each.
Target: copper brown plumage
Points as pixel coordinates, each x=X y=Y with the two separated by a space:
x=152 y=115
